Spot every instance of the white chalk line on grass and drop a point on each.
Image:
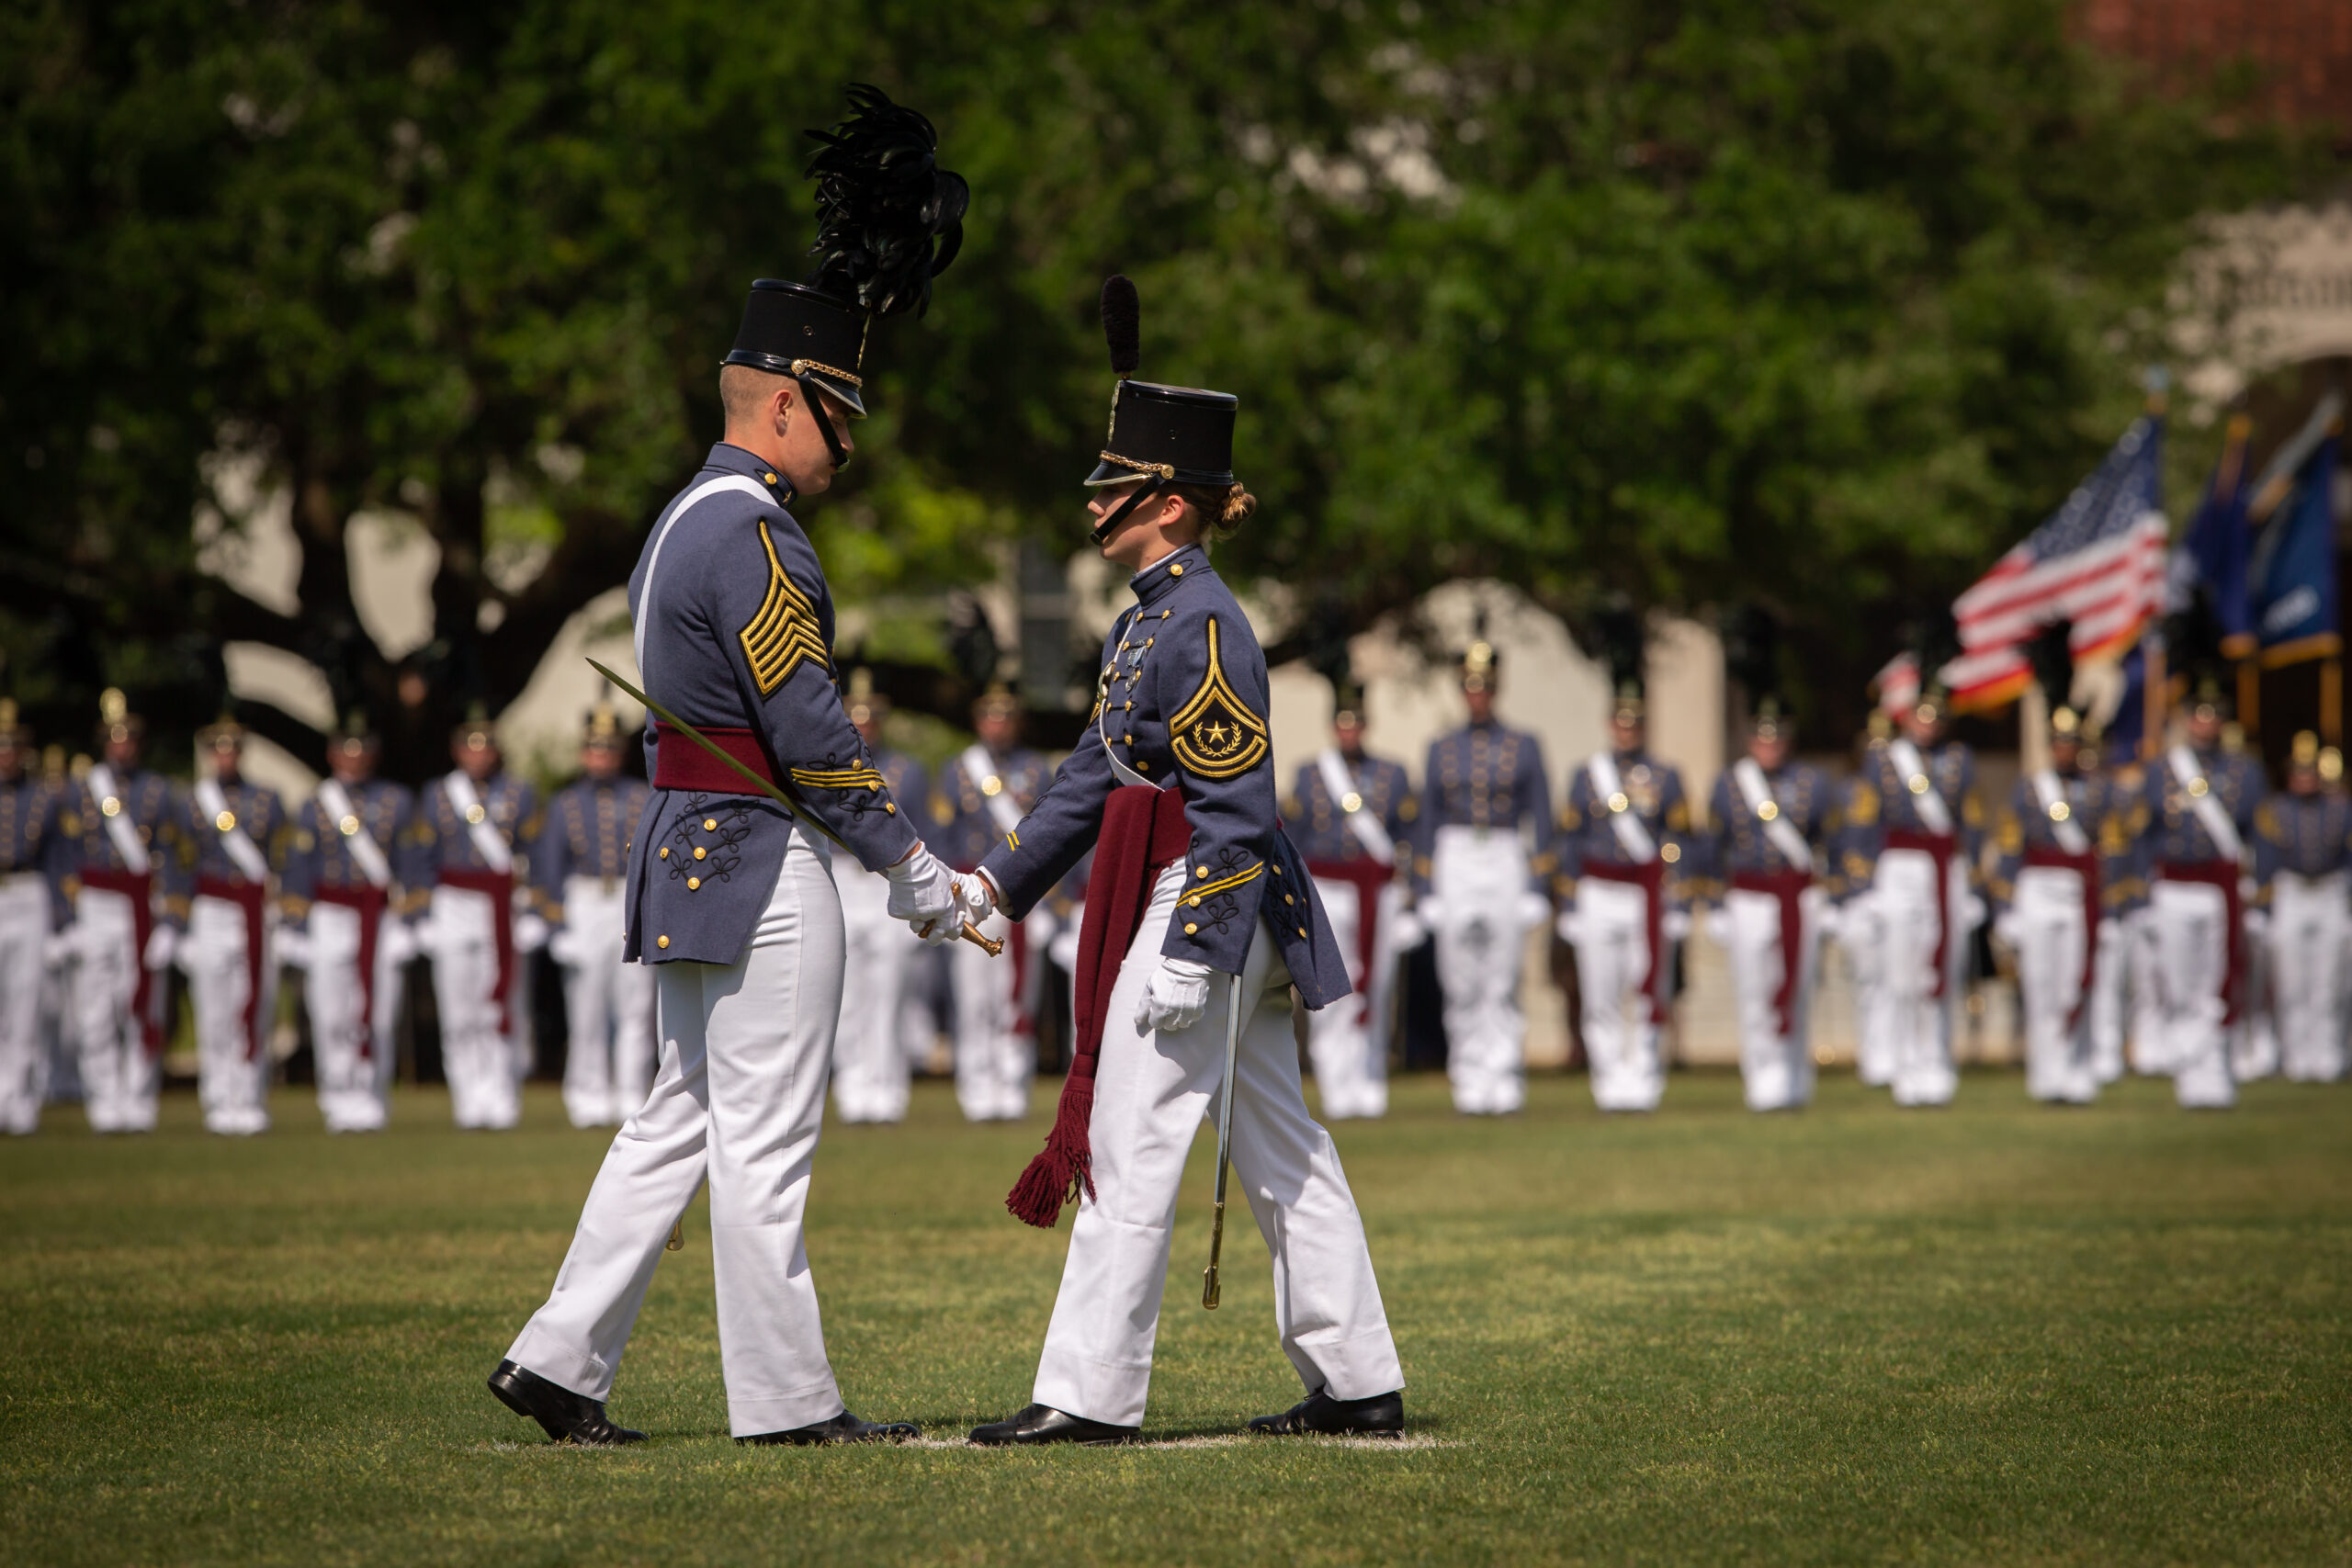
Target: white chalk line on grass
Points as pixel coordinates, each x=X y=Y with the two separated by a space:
x=1214 y=1440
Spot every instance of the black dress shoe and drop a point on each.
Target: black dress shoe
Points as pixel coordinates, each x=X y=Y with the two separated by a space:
x=1044 y=1424
x=1382 y=1416
x=842 y=1428
x=569 y=1417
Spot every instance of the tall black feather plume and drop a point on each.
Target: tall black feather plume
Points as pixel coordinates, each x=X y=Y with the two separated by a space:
x=2051 y=655
x=1123 y=324
x=1752 y=651
x=1617 y=627
x=888 y=218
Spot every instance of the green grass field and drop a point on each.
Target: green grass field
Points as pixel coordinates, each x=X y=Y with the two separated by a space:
x=1994 y=1334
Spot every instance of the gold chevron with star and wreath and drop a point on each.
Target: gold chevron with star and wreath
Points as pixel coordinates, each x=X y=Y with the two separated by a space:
x=1215 y=734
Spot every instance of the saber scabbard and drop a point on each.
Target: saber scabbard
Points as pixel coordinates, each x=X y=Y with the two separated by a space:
x=800 y=812
x=1209 y=1291
x=677 y=1242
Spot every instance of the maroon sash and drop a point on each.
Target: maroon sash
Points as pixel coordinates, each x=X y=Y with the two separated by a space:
x=2084 y=866
x=140 y=890
x=1650 y=877
x=368 y=901
x=2223 y=875
x=248 y=896
x=499 y=886
x=1938 y=848
x=1787 y=887
x=1144 y=831
x=1369 y=877
x=679 y=764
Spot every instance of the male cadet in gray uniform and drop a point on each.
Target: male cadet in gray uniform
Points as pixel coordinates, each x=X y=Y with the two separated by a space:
x=2195 y=816
x=472 y=824
x=118 y=946
x=1623 y=833
x=730 y=897
x=1352 y=811
x=1772 y=820
x=353 y=943
x=577 y=861
x=33 y=862
x=1483 y=856
x=231 y=837
x=2302 y=866
x=872 y=1065
x=982 y=794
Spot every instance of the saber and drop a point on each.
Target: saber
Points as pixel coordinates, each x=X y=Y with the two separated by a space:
x=800 y=812
x=677 y=1242
x=1209 y=1292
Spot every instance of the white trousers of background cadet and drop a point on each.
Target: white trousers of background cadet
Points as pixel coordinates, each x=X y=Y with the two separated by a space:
x=1862 y=932
x=608 y=1006
x=353 y=1055
x=1152 y=1093
x=2111 y=974
x=2308 y=916
x=2146 y=1030
x=2060 y=1065
x=2191 y=928
x=477 y=1052
x=995 y=1057
x=1918 y=1023
x=24 y=1055
x=1348 y=1040
x=118 y=1077
x=739 y=1095
x=871 y=1070
x=231 y=1072
x=1775 y=1069
x=1478 y=878
x=1621 y=1036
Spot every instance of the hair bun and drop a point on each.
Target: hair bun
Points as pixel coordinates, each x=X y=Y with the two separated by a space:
x=1240 y=505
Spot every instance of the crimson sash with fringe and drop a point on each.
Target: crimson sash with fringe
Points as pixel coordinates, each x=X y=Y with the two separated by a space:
x=499 y=886
x=1787 y=888
x=1650 y=877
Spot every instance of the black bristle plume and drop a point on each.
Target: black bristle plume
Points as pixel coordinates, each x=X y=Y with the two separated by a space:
x=2051 y=655
x=1121 y=324
x=888 y=218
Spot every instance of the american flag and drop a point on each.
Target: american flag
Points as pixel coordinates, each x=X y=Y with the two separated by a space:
x=2099 y=563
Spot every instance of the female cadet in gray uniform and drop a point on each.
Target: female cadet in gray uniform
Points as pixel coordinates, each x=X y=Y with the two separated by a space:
x=1181 y=705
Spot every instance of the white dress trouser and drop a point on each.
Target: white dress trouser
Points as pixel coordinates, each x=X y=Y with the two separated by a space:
x=1479 y=877
x=1918 y=1023
x=2150 y=1038
x=1152 y=1093
x=2059 y=1062
x=608 y=1005
x=231 y=1072
x=739 y=1095
x=2308 y=918
x=24 y=1055
x=1349 y=1040
x=478 y=1054
x=353 y=1054
x=995 y=1057
x=871 y=1067
x=2192 y=922
x=1775 y=1069
x=1861 y=932
x=1621 y=1036
x=118 y=1077
x=2109 y=977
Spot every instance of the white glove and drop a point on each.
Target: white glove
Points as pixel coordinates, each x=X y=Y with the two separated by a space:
x=1831 y=919
x=530 y=932
x=2009 y=931
x=563 y=946
x=398 y=939
x=922 y=894
x=1431 y=910
x=1531 y=909
x=1174 y=997
x=1570 y=929
x=1407 y=931
x=1675 y=925
x=292 y=946
x=62 y=945
x=1971 y=913
x=2257 y=922
x=1719 y=926
x=163 y=946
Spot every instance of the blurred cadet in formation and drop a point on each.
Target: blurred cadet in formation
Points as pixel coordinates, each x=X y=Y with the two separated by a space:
x=2302 y=847
x=1352 y=811
x=2122 y=901
x=1480 y=868
x=1911 y=834
x=352 y=941
x=983 y=794
x=226 y=844
x=731 y=895
x=1623 y=903
x=33 y=861
x=1773 y=821
x=577 y=862
x=464 y=843
x=873 y=1064
x=117 y=946
x=2193 y=819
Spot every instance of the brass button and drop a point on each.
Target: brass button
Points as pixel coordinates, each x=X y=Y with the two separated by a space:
x=474 y=813
x=1190 y=929
x=1768 y=812
x=1302 y=931
x=348 y=826
x=1195 y=900
x=226 y=821
x=1288 y=899
x=769 y=478
x=891 y=808
x=1278 y=871
x=666 y=852
x=700 y=852
x=1141 y=765
x=1200 y=871
x=1165 y=613
x=660 y=942
x=1176 y=572
x=694 y=883
x=710 y=824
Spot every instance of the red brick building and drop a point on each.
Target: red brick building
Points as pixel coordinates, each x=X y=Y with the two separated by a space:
x=2302 y=49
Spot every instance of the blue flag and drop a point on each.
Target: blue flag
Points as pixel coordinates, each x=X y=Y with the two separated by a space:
x=2292 y=572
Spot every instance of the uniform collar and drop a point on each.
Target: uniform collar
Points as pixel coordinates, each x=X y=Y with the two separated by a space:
x=730 y=458
x=1159 y=579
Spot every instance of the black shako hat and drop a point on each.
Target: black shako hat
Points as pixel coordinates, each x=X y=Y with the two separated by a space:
x=1167 y=435
x=889 y=220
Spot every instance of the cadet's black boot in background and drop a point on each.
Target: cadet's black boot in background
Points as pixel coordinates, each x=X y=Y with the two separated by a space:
x=842 y=1428
x=1044 y=1424
x=569 y=1417
x=1382 y=1416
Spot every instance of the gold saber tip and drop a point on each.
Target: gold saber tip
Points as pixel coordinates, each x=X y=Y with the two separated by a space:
x=677 y=1242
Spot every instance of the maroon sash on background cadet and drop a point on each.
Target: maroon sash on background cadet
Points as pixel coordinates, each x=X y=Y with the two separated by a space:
x=368 y=901
x=2223 y=875
x=1937 y=846
x=248 y=896
x=2084 y=866
x=140 y=888
x=1650 y=877
x=500 y=887
x=1369 y=877
x=1144 y=831
x=1787 y=887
